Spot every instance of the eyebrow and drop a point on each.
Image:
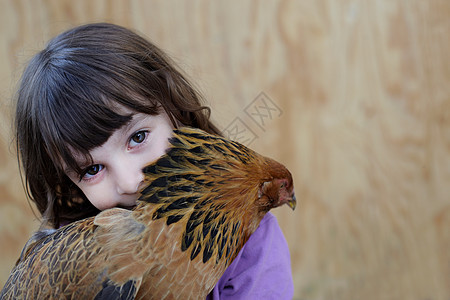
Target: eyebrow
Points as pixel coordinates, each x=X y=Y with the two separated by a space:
x=135 y=117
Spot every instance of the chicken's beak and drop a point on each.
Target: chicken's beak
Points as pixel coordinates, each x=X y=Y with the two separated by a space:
x=292 y=203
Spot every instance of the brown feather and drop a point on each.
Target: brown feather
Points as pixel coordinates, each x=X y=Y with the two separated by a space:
x=203 y=200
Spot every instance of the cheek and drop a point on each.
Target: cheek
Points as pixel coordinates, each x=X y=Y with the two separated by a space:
x=100 y=196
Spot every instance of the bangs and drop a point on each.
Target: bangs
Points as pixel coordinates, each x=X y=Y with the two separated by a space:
x=77 y=118
x=77 y=127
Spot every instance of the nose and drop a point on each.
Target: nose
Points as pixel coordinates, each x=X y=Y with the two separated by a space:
x=128 y=179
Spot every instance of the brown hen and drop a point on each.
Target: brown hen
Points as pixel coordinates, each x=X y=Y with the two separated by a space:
x=203 y=200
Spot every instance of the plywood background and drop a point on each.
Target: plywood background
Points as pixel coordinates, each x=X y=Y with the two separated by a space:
x=357 y=98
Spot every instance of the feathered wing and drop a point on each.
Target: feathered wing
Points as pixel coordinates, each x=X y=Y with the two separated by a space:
x=97 y=258
x=66 y=263
x=193 y=218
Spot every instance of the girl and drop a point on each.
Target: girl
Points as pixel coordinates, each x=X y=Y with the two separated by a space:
x=96 y=106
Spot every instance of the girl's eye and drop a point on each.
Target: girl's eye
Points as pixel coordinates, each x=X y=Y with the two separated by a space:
x=92 y=171
x=138 y=138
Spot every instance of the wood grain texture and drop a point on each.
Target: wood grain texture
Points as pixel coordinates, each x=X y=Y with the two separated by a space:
x=360 y=113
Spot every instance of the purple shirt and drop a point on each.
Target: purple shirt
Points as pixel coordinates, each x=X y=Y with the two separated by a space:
x=262 y=269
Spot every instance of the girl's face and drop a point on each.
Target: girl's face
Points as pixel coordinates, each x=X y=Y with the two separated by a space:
x=115 y=177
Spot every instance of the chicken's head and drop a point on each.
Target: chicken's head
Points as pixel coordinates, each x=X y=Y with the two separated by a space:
x=279 y=189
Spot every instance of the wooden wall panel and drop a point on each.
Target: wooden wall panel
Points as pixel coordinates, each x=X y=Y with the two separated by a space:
x=358 y=106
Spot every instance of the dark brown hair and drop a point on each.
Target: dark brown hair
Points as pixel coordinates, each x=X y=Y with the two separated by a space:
x=69 y=101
